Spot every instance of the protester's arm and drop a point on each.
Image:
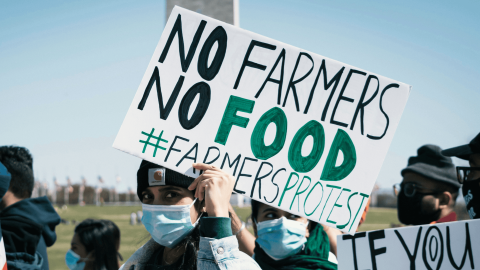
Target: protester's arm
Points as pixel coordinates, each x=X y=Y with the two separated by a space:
x=332 y=237
x=223 y=254
x=246 y=240
x=218 y=247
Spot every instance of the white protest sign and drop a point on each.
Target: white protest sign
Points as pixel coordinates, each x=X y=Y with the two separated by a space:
x=452 y=245
x=298 y=131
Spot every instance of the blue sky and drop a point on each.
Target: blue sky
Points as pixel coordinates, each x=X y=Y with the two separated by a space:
x=69 y=70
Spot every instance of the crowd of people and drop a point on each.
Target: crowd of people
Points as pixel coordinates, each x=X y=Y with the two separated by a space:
x=193 y=226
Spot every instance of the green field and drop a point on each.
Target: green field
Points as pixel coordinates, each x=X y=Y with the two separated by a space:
x=132 y=237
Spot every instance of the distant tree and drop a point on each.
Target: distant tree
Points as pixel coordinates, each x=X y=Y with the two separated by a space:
x=385 y=199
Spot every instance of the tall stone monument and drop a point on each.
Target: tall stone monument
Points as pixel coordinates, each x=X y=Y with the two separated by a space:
x=223 y=10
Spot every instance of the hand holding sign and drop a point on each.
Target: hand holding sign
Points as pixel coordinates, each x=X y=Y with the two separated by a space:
x=215 y=187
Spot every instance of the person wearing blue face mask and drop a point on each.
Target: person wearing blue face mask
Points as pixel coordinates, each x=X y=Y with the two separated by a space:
x=188 y=220
x=94 y=246
x=288 y=241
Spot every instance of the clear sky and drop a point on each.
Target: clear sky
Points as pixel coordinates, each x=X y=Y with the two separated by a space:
x=69 y=70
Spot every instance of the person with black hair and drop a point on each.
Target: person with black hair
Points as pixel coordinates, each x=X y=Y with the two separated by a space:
x=188 y=220
x=94 y=246
x=287 y=241
x=429 y=188
x=116 y=234
x=28 y=224
x=19 y=163
x=469 y=176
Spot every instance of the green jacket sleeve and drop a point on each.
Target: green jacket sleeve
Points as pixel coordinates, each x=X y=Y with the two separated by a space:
x=215 y=227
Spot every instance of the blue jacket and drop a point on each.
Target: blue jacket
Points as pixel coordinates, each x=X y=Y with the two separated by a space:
x=223 y=254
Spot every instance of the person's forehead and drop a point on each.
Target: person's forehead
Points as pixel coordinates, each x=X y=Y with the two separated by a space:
x=265 y=207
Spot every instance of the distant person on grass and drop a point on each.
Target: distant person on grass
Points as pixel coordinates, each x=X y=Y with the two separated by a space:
x=429 y=188
x=28 y=224
x=288 y=241
x=94 y=246
x=469 y=176
x=188 y=219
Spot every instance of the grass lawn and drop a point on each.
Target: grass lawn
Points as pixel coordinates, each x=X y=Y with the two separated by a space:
x=379 y=218
x=132 y=237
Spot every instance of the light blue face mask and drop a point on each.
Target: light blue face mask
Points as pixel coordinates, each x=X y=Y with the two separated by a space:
x=281 y=238
x=168 y=224
x=71 y=259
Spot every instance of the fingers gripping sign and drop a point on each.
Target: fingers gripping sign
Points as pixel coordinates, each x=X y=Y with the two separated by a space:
x=215 y=187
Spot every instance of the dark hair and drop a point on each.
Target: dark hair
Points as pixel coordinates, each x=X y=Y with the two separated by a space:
x=101 y=237
x=116 y=234
x=191 y=244
x=255 y=206
x=18 y=162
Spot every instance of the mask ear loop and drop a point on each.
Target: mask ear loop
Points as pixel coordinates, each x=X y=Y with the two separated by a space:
x=193 y=202
x=306 y=226
x=87 y=259
x=198 y=219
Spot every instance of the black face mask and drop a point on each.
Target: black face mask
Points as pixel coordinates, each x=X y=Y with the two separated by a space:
x=471 y=195
x=411 y=212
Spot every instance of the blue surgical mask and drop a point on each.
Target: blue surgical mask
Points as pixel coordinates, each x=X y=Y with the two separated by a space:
x=168 y=224
x=71 y=259
x=281 y=238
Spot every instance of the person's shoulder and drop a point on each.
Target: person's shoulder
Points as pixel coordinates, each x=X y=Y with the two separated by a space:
x=142 y=255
